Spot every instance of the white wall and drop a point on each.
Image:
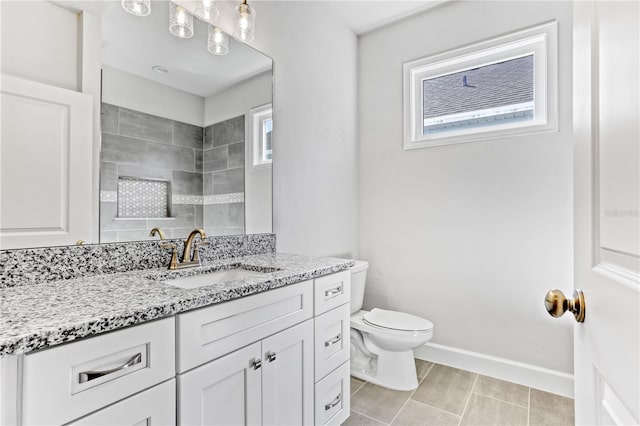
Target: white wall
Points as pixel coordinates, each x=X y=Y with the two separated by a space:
x=470 y=236
x=130 y=91
x=315 y=140
x=235 y=101
x=40 y=42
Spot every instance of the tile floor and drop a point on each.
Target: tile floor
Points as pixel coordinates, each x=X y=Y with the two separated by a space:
x=449 y=396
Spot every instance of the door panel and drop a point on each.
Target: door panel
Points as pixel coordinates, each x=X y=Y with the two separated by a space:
x=287 y=376
x=607 y=225
x=223 y=392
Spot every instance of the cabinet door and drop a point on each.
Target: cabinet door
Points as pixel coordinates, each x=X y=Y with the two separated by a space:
x=156 y=406
x=287 y=376
x=223 y=392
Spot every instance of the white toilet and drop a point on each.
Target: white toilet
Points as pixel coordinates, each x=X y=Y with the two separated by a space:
x=382 y=341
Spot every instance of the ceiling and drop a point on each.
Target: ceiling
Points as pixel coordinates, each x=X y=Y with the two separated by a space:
x=362 y=16
x=136 y=44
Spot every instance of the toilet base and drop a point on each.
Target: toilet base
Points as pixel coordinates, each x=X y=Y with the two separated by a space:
x=389 y=369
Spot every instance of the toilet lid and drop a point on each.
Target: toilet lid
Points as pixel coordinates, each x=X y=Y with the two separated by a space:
x=397 y=320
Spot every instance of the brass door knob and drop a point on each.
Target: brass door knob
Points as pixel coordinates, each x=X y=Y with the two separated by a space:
x=557 y=304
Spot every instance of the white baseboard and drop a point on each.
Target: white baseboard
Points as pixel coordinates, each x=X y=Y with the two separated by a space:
x=517 y=372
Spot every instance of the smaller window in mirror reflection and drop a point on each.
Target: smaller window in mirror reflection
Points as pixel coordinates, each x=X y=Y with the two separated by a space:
x=261 y=131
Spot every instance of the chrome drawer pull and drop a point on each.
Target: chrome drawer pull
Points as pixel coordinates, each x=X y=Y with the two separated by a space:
x=333 y=341
x=333 y=292
x=91 y=375
x=333 y=403
x=256 y=363
x=271 y=356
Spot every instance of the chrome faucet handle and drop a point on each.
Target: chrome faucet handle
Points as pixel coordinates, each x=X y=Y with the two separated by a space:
x=173 y=264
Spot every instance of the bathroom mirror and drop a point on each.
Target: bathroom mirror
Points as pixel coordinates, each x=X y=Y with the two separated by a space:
x=185 y=134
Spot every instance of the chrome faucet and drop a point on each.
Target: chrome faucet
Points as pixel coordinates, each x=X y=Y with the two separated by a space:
x=187 y=260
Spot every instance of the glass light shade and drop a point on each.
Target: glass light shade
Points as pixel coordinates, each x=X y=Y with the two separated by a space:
x=217 y=41
x=180 y=21
x=245 y=18
x=207 y=11
x=137 y=7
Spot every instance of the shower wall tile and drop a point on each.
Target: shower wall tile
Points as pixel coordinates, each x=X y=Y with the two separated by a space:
x=215 y=159
x=108 y=176
x=208 y=137
x=109 y=118
x=187 y=135
x=182 y=216
x=207 y=184
x=229 y=131
x=228 y=181
x=170 y=157
x=236 y=215
x=199 y=160
x=235 y=155
x=145 y=126
x=109 y=221
x=226 y=231
x=120 y=149
x=216 y=215
x=144 y=172
x=186 y=183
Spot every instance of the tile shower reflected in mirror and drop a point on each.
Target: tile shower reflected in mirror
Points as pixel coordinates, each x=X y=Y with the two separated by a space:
x=181 y=149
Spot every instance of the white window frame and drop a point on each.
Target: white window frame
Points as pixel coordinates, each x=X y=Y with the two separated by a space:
x=257 y=116
x=541 y=41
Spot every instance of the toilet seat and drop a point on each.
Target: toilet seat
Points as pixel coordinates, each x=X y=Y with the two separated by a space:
x=393 y=320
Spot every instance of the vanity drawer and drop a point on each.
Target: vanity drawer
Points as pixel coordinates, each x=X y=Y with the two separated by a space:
x=155 y=406
x=332 y=340
x=64 y=383
x=332 y=291
x=211 y=332
x=332 y=397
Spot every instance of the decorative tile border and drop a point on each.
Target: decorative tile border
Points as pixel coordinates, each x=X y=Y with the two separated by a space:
x=236 y=197
x=34 y=266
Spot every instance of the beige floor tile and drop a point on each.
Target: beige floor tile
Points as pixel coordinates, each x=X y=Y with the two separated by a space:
x=416 y=413
x=483 y=410
x=356 y=384
x=502 y=390
x=549 y=409
x=445 y=388
x=422 y=368
x=378 y=402
x=356 y=419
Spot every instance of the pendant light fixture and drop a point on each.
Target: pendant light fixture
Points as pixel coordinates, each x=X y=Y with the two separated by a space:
x=180 y=21
x=207 y=11
x=245 y=22
x=217 y=41
x=137 y=7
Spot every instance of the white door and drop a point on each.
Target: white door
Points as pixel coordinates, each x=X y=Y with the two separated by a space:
x=155 y=406
x=46 y=164
x=287 y=376
x=223 y=392
x=606 y=196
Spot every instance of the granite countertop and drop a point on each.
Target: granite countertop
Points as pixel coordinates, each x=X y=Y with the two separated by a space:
x=39 y=316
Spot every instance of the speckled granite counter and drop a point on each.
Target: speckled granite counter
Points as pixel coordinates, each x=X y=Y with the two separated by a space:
x=48 y=314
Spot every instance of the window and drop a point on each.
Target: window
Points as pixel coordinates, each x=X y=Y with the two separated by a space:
x=261 y=131
x=501 y=87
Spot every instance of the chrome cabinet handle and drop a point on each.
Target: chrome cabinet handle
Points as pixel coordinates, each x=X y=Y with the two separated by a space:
x=257 y=363
x=271 y=356
x=87 y=376
x=333 y=291
x=333 y=341
x=333 y=403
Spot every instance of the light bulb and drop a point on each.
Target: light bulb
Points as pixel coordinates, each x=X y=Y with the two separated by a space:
x=245 y=22
x=207 y=11
x=137 y=7
x=217 y=41
x=180 y=21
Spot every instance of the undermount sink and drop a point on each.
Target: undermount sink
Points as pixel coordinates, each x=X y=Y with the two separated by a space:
x=210 y=278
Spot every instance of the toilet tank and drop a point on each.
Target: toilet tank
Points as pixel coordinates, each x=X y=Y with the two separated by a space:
x=358 y=280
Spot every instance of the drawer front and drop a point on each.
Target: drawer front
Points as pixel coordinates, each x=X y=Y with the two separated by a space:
x=156 y=406
x=67 y=382
x=332 y=397
x=209 y=333
x=332 y=340
x=332 y=291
